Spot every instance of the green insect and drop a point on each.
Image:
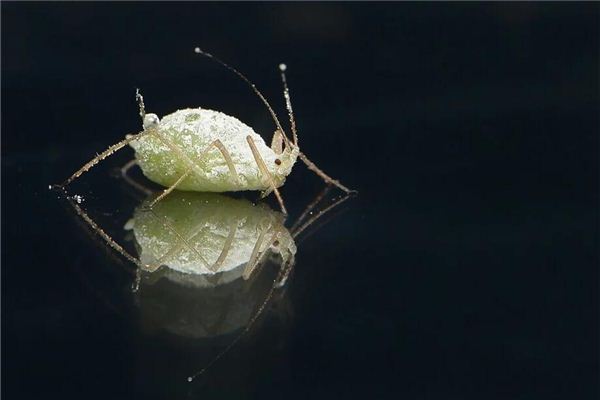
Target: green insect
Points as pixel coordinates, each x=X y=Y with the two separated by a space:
x=208 y=151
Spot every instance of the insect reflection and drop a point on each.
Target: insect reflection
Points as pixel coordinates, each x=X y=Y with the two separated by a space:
x=212 y=237
x=199 y=260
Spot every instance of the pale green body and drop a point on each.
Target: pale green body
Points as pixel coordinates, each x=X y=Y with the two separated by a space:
x=191 y=132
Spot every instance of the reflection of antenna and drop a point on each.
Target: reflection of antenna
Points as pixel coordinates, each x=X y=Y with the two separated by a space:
x=282 y=274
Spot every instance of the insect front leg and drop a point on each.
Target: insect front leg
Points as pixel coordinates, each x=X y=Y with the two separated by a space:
x=263 y=169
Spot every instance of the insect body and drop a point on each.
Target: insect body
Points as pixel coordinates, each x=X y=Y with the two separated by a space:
x=212 y=151
x=205 y=150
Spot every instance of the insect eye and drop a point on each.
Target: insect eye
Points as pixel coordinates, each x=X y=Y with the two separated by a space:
x=276 y=243
x=277 y=161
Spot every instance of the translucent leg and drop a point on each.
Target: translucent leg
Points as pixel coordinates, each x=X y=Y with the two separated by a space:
x=312 y=166
x=112 y=149
x=263 y=169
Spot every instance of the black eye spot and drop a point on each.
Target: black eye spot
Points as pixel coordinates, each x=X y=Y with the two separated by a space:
x=276 y=243
x=277 y=161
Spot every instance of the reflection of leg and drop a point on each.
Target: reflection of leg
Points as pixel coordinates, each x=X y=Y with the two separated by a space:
x=263 y=169
x=298 y=230
x=310 y=165
x=102 y=156
x=104 y=235
x=179 y=245
x=226 y=247
x=257 y=256
x=252 y=261
x=180 y=240
x=310 y=207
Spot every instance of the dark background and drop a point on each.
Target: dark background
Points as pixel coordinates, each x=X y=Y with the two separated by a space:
x=466 y=268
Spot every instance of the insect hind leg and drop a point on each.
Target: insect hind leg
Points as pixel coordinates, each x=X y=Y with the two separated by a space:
x=329 y=180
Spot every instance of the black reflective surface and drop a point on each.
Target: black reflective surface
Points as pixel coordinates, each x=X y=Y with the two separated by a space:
x=466 y=268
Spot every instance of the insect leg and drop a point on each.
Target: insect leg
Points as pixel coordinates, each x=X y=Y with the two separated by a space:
x=310 y=207
x=226 y=247
x=181 y=240
x=125 y=174
x=102 y=156
x=109 y=240
x=172 y=252
x=219 y=145
x=257 y=257
x=329 y=180
x=263 y=168
x=297 y=231
x=168 y=190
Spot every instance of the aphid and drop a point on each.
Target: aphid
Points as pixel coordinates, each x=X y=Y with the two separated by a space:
x=208 y=151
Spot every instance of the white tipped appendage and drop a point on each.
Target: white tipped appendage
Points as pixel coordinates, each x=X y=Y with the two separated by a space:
x=282 y=67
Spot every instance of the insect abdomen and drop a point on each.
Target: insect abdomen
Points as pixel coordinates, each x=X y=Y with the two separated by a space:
x=183 y=141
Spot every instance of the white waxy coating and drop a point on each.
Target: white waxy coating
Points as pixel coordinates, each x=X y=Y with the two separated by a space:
x=192 y=131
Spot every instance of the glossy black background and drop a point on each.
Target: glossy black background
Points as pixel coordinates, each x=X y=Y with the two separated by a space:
x=466 y=267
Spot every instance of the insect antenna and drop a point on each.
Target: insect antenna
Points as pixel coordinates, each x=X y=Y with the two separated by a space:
x=198 y=50
x=288 y=102
x=140 y=100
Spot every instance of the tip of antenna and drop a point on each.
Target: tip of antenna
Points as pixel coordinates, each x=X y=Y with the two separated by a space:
x=189 y=379
x=197 y=50
x=282 y=67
